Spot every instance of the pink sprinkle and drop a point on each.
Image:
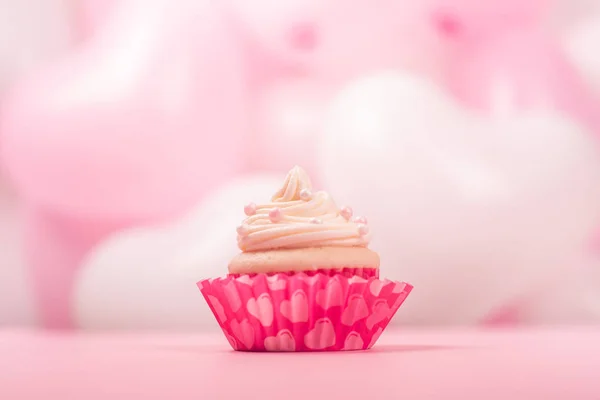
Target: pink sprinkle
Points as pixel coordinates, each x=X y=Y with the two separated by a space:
x=316 y=221
x=250 y=209
x=346 y=212
x=305 y=194
x=360 y=220
x=363 y=229
x=275 y=215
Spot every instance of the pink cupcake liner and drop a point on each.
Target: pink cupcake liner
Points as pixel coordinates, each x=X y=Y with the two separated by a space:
x=301 y=312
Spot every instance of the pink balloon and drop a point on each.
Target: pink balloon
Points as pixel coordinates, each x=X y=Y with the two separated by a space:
x=338 y=39
x=519 y=70
x=475 y=20
x=288 y=116
x=139 y=124
x=55 y=247
x=92 y=14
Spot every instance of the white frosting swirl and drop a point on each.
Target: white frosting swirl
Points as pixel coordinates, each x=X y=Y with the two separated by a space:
x=298 y=218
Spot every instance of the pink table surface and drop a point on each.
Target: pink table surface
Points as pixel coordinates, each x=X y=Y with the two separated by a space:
x=534 y=364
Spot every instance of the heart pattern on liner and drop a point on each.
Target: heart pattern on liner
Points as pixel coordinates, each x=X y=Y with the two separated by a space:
x=283 y=341
x=296 y=309
x=303 y=313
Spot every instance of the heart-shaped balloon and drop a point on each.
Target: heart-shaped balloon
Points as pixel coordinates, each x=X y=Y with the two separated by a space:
x=287 y=116
x=140 y=123
x=337 y=39
x=522 y=69
x=146 y=277
x=475 y=213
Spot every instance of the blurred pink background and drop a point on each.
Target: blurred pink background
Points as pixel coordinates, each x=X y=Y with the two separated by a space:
x=132 y=133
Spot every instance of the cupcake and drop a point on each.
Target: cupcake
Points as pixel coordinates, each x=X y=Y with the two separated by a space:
x=305 y=279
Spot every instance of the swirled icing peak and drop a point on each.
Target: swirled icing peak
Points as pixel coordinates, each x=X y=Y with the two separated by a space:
x=296 y=186
x=297 y=217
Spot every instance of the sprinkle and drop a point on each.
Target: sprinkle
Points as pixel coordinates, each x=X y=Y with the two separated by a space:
x=275 y=215
x=250 y=209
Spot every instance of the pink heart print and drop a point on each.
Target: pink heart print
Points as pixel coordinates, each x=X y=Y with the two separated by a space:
x=218 y=307
x=276 y=316
x=295 y=309
x=376 y=286
x=398 y=287
x=243 y=332
x=355 y=310
x=331 y=296
x=245 y=279
x=275 y=283
x=321 y=336
x=356 y=279
x=284 y=341
x=380 y=311
x=261 y=309
x=353 y=341
x=311 y=280
x=232 y=295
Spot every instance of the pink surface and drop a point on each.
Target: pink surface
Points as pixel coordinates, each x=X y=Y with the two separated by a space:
x=559 y=364
x=303 y=312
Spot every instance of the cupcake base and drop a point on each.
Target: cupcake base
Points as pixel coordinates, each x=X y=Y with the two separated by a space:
x=303 y=312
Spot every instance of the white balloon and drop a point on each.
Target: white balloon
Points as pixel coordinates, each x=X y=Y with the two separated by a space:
x=146 y=278
x=581 y=43
x=475 y=213
x=287 y=115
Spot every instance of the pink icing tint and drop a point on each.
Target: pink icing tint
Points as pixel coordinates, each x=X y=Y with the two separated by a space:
x=304 y=313
x=250 y=209
x=275 y=215
x=346 y=212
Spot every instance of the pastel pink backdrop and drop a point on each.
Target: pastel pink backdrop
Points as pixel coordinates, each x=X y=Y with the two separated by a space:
x=163 y=102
